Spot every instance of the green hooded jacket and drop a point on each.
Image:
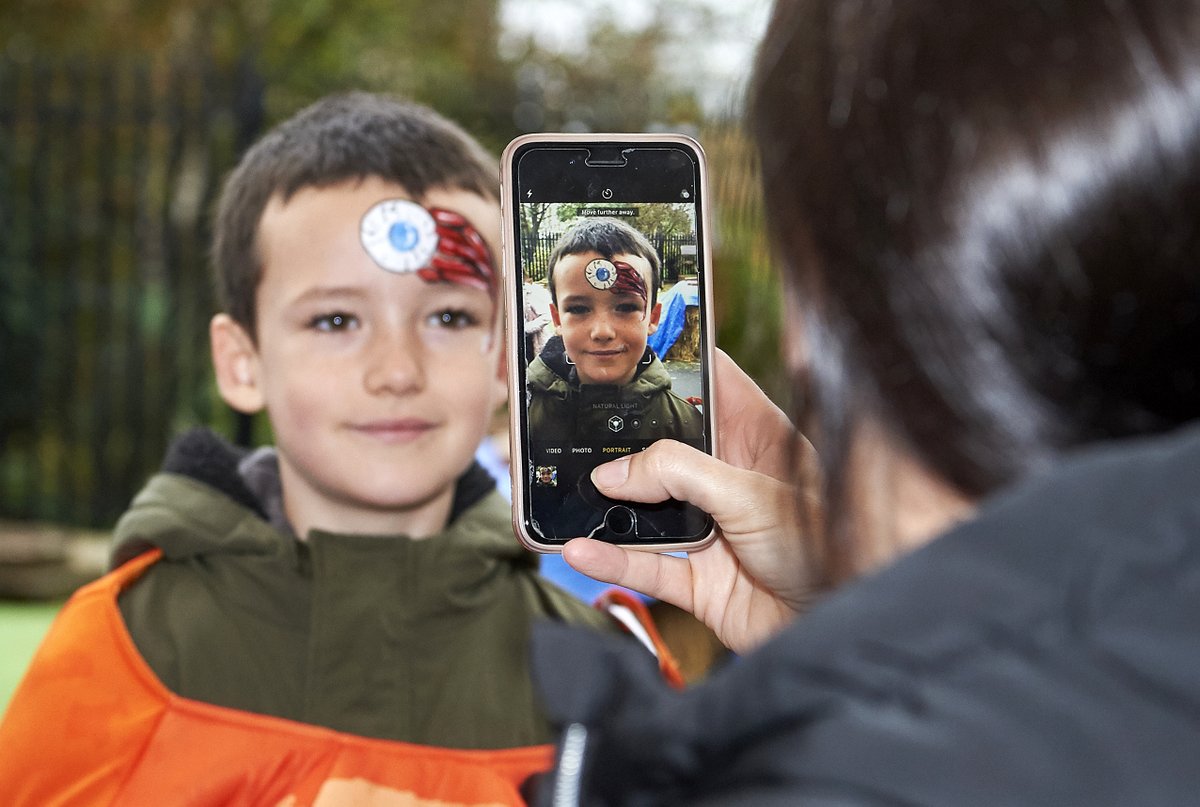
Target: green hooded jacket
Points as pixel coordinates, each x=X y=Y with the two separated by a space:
x=560 y=408
x=423 y=641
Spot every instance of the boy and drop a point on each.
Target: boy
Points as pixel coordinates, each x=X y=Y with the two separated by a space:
x=603 y=282
x=361 y=576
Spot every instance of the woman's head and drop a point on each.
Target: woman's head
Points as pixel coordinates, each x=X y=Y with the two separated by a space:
x=988 y=216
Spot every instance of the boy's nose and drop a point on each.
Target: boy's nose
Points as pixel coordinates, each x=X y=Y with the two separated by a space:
x=394 y=364
x=602 y=329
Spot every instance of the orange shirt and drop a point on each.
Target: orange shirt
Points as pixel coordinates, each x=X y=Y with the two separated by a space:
x=90 y=724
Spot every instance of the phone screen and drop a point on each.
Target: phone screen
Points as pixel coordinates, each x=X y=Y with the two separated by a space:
x=609 y=253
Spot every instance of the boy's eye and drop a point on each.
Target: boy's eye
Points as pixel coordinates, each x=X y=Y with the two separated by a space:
x=337 y=321
x=629 y=308
x=453 y=318
x=578 y=310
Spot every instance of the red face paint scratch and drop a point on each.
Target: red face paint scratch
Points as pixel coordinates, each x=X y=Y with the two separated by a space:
x=629 y=281
x=462 y=255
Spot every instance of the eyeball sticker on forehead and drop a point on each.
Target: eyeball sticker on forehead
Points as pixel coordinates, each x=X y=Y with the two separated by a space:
x=601 y=274
x=617 y=277
x=399 y=235
x=439 y=245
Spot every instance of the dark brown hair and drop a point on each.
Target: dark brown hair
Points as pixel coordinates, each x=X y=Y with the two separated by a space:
x=608 y=237
x=989 y=217
x=338 y=139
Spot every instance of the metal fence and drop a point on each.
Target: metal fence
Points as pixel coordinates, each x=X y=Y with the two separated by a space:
x=107 y=175
x=677 y=253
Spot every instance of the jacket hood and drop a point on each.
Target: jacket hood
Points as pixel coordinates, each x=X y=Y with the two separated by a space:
x=211 y=496
x=550 y=373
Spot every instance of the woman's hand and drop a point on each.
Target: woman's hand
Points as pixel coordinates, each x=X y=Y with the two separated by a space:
x=754 y=578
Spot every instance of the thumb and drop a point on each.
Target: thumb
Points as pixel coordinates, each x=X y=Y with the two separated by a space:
x=672 y=470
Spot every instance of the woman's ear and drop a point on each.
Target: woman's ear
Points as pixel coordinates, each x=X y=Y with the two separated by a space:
x=795 y=343
x=235 y=361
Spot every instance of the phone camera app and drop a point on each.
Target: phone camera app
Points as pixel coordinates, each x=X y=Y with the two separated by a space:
x=610 y=293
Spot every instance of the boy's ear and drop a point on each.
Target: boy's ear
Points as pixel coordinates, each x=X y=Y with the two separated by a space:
x=500 y=381
x=554 y=315
x=235 y=360
x=502 y=361
x=655 y=313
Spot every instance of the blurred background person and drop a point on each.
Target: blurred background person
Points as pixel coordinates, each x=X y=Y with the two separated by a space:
x=539 y=327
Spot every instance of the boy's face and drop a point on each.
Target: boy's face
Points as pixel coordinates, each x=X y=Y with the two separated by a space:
x=604 y=330
x=379 y=385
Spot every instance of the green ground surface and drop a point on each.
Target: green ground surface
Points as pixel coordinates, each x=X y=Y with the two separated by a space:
x=21 y=628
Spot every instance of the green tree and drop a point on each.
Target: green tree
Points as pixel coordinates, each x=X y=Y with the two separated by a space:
x=607 y=85
x=533 y=215
x=439 y=53
x=665 y=219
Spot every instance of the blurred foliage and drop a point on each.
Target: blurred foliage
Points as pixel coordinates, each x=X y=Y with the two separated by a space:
x=440 y=53
x=453 y=56
x=603 y=87
x=746 y=292
x=106 y=173
x=446 y=54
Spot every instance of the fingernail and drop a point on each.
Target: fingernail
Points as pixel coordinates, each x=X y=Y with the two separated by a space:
x=611 y=474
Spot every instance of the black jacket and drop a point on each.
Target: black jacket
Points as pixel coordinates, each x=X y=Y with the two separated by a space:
x=1045 y=653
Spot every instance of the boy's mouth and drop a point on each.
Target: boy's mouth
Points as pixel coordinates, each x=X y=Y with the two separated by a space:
x=606 y=354
x=402 y=430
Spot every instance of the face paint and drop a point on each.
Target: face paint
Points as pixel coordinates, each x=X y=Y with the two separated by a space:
x=629 y=281
x=462 y=255
x=439 y=245
x=617 y=277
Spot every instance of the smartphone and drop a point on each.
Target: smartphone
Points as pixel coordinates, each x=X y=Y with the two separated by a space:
x=610 y=336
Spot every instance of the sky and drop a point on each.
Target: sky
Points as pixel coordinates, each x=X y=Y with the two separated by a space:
x=716 y=68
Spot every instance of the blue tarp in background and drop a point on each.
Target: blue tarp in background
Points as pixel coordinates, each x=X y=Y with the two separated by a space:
x=674 y=314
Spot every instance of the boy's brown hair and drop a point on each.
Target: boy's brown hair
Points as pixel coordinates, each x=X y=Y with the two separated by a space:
x=338 y=139
x=609 y=237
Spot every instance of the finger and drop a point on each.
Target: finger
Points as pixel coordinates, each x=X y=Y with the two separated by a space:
x=660 y=576
x=735 y=388
x=754 y=432
x=736 y=498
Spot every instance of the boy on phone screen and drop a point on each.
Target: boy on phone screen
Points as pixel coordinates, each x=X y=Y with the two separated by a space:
x=598 y=378
x=285 y=625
